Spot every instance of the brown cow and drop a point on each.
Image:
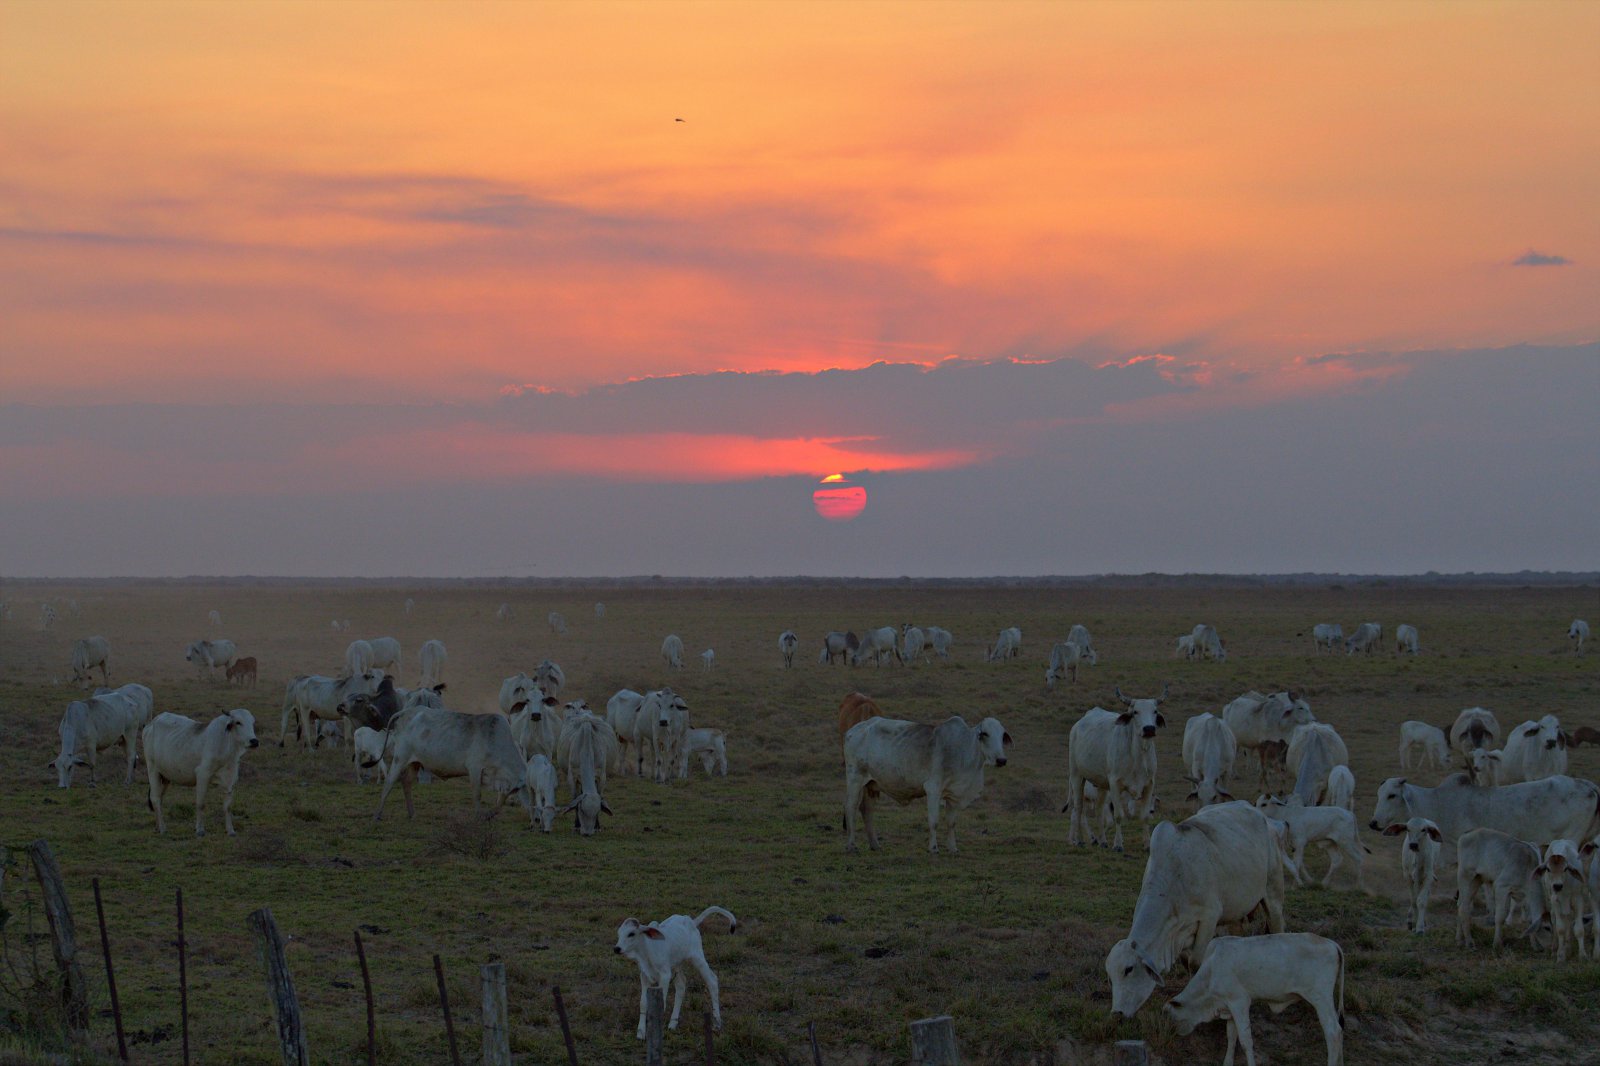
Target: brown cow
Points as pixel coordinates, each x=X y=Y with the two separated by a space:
x=243 y=671
x=857 y=707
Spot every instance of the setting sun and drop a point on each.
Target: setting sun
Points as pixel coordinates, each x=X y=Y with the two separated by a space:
x=839 y=501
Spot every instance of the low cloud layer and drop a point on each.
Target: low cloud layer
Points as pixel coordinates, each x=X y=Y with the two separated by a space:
x=1539 y=259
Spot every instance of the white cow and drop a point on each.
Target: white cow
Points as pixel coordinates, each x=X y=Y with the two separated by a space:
x=411 y=605
x=371 y=748
x=1578 y=632
x=1314 y=750
x=432 y=657
x=1474 y=728
x=181 y=751
x=1216 y=866
x=1342 y=788
x=908 y=760
x=542 y=779
x=357 y=658
x=1431 y=739
x=385 y=654
x=1256 y=719
x=622 y=712
x=788 y=644
x=1117 y=754
x=1483 y=767
x=207 y=655
x=503 y=612
x=587 y=747
x=1325 y=636
x=1332 y=828
x=1566 y=894
x=450 y=744
x=550 y=677
x=558 y=623
x=1534 y=750
x=91 y=725
x=47 y=616
x=1208 y=752
x=1366 y=639
x=661 y=949
x=711 y=747
x=1276 y=970
x=1208 y=645
x=1405 y=638
x=599 y=610
x=1064 y=660
x=672 y=651
x=881 y=643
x=215 y=618
x=1505 y=868
x=662 y=723
x=912 y=642
x=516 y=689
x=1008 y=645
x=708 y=659
x=1185 y=648
x=1535 y=811
x=312 y=696
x=939 y=640
x=536 y=724
x=1080 y=636
x=835 y=648
x=87 y=654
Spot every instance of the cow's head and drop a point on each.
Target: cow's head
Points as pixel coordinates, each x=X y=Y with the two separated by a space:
x=1392 y=804
x=587 y=808
x=1145 y=713
x=1133 y=977
x=241 y=727
x=992 y=740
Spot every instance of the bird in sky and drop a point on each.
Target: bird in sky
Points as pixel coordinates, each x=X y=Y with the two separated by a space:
x=677 y=120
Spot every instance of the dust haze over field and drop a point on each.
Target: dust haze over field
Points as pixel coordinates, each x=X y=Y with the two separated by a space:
x=1008 y=935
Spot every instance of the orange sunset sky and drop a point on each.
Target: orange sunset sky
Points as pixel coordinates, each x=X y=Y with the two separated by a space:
x=218 y=205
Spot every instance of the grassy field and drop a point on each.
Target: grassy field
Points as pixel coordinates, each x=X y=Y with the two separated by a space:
x=1009 y=935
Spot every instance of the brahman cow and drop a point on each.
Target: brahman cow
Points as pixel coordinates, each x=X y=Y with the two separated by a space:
x=91 y=725
x=432 y=657
x=1535 y=811
x=87 y=654
x=207 y=655
x=450 y=744
x=181 y=751
x=672 y=651
x=1208 y=752
x=907 y=760
x=1116 y=753
x=788 y=644
x=586 y=747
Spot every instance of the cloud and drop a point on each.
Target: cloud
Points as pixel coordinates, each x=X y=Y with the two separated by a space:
x=1539 y=259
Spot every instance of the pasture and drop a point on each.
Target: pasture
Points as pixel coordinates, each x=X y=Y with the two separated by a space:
x=1009 y=935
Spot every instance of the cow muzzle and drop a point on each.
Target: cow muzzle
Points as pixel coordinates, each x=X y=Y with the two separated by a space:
x=1149 y=731
x=254 y=743
x=1001 y=761
x=1373 y=825
x=1414 y=846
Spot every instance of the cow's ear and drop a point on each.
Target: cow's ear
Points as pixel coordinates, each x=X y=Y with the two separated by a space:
x=1563 y=739
x=231 y=723
x=1494 y=756
x=606 y=809
x=653 y=933
x=1531 y=732
x=518 y=706
x=80 y=761
x=1433 y=831
x=1540 y=870
x=1161 y=719
x=1227 y=796
x=1393 y=829
x=1005 y=738
x=1588 y=848
x=439 y=688
x=1192 y=796
x=1125 y=717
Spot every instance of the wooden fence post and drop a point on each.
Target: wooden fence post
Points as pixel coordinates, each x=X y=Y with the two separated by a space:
x=366 y=984
x=183 y=980
x=444 y=1005
x=655 y=1006
x=111 y=975
x=63 y=938
x=816 y=1052
x=566 y=1028
x=280 y=989
x=1131 y=1053
x=933 y=1042
x=496 y=1026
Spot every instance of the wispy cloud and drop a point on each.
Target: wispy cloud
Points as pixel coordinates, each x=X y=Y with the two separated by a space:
x=1539 y=259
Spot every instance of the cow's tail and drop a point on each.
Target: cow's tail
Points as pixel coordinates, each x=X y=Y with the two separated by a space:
x=733 y=923
x=1340 y=983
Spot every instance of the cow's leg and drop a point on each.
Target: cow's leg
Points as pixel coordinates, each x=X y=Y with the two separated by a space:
x=867 y=804
x=1233 y=1042
x=677 y=998
x=158 y=789
x=1239 y=1010
x=202 y=779
x=852 y=810
x=130 y=741
x=1464 y=897
x=935 y=809
x=1332 y=1031
x=1405 y=754
x=395 y=769
x=227 y=782
x=644 y=991
x=712 y=987
x=1114 y=787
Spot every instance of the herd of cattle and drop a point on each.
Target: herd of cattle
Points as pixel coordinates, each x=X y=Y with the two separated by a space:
x=1522 y=833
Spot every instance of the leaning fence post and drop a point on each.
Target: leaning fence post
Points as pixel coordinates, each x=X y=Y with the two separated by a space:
x=444 y=1005
x=566 y=1028
x=816 y=1052
x=655 y=1005
x=933 y=1042
x=280 y=989
x=1131 y=1053
x=111 y=976
x=496 y=1029
x=74 y=992
x=366 y=984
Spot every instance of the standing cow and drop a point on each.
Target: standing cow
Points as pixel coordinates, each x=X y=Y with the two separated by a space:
x=908 y=760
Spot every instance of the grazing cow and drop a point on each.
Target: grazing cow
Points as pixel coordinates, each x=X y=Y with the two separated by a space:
x=1534 y=750
x=181 y=751
x=939 y=640
x=385 y=654
x=549 y=677
x=411 y=605
x=1207 y=645
x=1256 y=719
x=788 y=644
x=1064 y=660
x=711 y=747
x=1276 y=970
x=503 y=612
x=1483 y=767
x=371 y=747
x=1431 y=739
x=311 y=696
x=1314 y=750
x=912 y=642
x=1405 y=638
x=881 y=643
x=1474 y=728
x=542 y=779
x=1117 y=754
x=451 y=744
x=1366 y=639
x=586 y=747
x=1333 y=828
x=1008 y=645
x=1185 y=648
x=622 y=711
x=375 y=709
x=599 y=610
x=432 y=657
x=1325 y=636
x=207 y=655
x=908 y=760
x=47 y=616
x=1578 y=632
x=672 y=651
x=1535 y=811
x=1216 y=866
x=87 y=654
x=215 y=618
x=662 y=722
x=1080 y=636
x=855 y=708
x=1505 y=868
x=91 y=725
x=661 y=949
x=1342 y=788
x=357 y=658
x=834 y=649
x=708 y=660
x=1561 y=872
x=558 y=623
x=1208 y=753
x=243 y=671
x=1584 y=735
x=536 y=724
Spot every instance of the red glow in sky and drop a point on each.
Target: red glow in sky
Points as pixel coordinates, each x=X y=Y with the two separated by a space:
x=840 y=501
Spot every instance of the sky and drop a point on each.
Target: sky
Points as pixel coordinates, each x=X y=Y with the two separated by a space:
x=589 y=289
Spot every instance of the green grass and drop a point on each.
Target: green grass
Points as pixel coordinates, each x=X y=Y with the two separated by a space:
x=1009 y=935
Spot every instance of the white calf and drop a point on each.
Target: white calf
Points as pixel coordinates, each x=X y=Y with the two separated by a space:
x=709 y=746
x=1430 y=738
x=1418 y=857
x=542 y=779
x=708 y=659
x=661 y=949
x=1342 y=788
x=181 y=751
x=1564 y=889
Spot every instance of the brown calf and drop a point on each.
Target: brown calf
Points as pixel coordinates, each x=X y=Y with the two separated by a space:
x=856 y=707
x=243 y=671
